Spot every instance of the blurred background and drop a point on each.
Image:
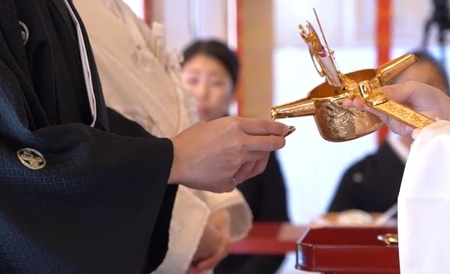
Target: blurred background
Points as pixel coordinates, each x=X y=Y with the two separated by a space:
x=276 y=68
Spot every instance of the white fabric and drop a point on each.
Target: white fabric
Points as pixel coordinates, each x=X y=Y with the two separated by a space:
x=134 y=83
x=86 y=66
x=140 y=81
x=424 y=203
x=239 y=211
x=186 y=229
x=398 y=146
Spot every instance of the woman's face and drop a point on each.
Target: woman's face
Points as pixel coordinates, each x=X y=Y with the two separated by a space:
x=423 y=72
x=210 y=84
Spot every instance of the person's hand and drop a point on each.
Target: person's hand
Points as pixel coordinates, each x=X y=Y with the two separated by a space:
x=217 y=155
x=220 y=221
x=422 y=98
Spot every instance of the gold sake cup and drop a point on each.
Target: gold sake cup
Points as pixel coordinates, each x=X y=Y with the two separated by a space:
x=337 y=123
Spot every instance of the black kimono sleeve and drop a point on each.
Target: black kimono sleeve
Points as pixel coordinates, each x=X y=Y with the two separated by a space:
x=118 y=124
x=92 y=207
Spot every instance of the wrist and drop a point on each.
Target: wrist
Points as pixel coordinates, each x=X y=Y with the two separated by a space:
x=176 y=171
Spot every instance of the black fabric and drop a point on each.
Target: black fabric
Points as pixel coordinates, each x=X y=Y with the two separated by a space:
x=159 y=244
x=371 y=184
x=266 y=196
x=93 y=207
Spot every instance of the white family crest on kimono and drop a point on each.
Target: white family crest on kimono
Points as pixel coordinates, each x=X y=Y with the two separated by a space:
x=141 y=81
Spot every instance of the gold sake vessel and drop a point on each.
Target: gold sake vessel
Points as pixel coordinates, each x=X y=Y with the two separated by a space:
x=335 y=122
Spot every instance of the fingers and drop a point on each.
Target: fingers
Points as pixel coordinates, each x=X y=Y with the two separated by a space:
x=417 y=95
x=211 y=262
x=250 y=170
x=264 y=143
x=396 y=126
x=258 y=168
x=262 y=127
x=358 y=103
x=206 y=264
x=252 y=157
x=241 y=174
x=246 y=171
x=401 y=92
x=192 y=270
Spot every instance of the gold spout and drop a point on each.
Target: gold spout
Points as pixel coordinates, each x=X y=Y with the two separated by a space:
x=303 y=107
x=388 y=71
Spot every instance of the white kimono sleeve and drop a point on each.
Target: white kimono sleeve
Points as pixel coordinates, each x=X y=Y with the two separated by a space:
x=189 y=218
x=240 y=214
x=424 y=203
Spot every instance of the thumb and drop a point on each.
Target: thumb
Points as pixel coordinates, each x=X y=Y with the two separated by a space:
x=401 y=92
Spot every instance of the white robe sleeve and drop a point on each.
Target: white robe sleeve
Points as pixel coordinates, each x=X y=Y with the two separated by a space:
x=424 y=204
x=190 y=215
x=189 y=218
x=240 y=214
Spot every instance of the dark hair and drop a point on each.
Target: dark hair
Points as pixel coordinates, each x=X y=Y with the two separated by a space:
x=424 y=56
x=216 y=50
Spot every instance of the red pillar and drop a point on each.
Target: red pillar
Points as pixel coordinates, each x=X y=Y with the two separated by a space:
x=383 y=42
x=147 y=4
x=239 y=51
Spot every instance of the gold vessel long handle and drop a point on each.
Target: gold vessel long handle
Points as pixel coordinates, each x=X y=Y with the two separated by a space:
x=399 y=112
x=392 y=69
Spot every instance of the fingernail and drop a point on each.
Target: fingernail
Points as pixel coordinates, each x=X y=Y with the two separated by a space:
x=290 y=130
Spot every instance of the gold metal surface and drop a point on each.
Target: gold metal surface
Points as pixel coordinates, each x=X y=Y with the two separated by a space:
x=388 y=238
x=406 y=115
x=335 y=122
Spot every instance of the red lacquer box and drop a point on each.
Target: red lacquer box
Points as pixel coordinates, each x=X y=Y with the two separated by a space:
x=352 y=250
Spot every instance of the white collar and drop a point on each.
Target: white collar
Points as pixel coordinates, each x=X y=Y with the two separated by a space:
x=397 y=146
x=86 y=67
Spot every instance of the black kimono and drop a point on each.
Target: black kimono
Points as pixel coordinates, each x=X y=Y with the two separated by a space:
x=371 y=184
x=266 y=196
x=73 y=198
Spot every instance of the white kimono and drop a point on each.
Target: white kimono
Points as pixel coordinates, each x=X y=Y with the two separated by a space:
x=424 y=204
x=140 y=81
